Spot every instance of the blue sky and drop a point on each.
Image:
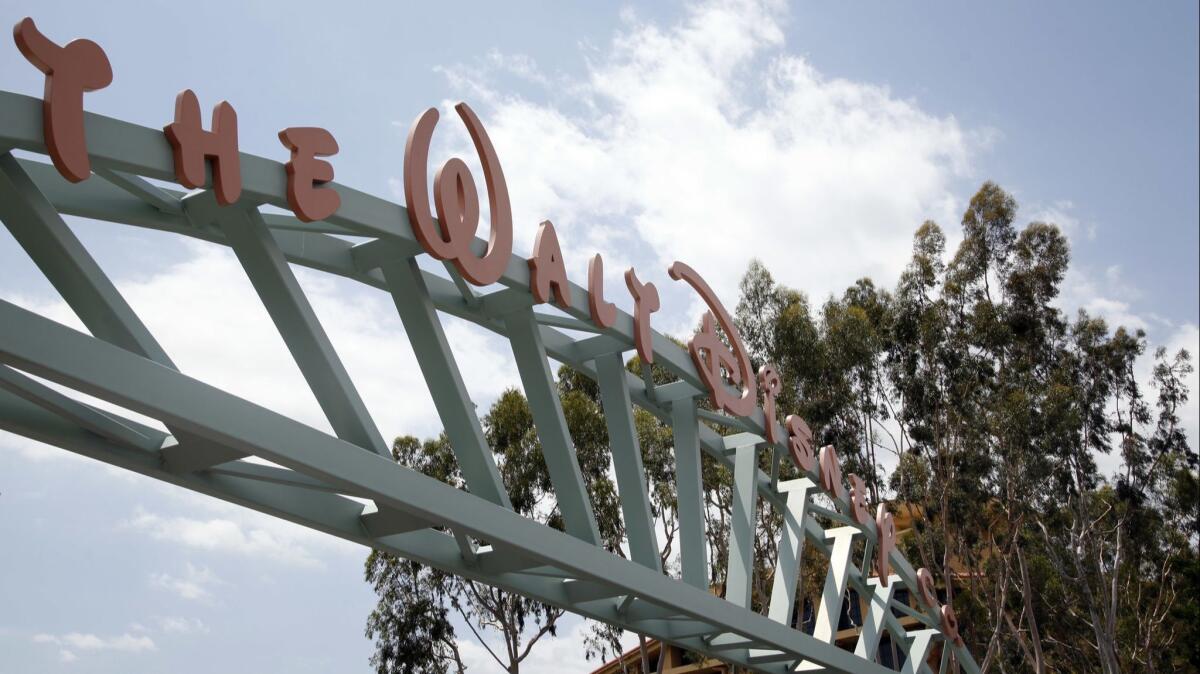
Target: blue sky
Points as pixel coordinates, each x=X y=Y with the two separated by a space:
x=828 y=130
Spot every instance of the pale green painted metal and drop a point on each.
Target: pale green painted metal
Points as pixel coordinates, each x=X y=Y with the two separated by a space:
x=557 y=447
x=118 y=430
x=738 y=583
x=49 y=350
x=437 y=364
x=689 y=493
x=627 y=461
x=37 y=226
x=299 y=327
x=211 y=430
x=922 y=640
x=790 y=549
x=830 y=608
x=879 y=605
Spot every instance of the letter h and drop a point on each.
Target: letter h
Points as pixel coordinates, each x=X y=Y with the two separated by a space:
x=193 y=145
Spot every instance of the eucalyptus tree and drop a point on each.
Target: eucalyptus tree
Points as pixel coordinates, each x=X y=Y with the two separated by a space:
x=1125 y=546
x=997 y=407
x=516 y=622
x=411 y=623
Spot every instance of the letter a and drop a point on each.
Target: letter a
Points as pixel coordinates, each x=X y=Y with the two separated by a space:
x=546 y=270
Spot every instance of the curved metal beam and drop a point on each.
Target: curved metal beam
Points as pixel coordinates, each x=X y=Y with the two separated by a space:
x=525 y=556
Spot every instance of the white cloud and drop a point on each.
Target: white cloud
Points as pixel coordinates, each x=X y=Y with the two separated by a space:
x=235 y=530
x=708 y=142
x=126 y=643
x=281 y=545
x=520 y=65
x=1105 y=293
x=178 y=625
x=194 y=584
x=1062 y=213
x=66 y=656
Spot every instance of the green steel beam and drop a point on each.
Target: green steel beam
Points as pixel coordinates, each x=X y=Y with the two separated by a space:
x=790 y=550
x=114 y=428
x=741 y=527
x=50 y=243
x=627 y=461
x=565 y=322
x=689 y=493
x=143 y=189
x=98 y=200
x=72 y=359
x=127 y=147
x=330 y=514
x=523 y=559
x=83 y=285
x=557 y=448
x=830 y=609
x=300 y=328
x=872 y=626
x=445 y=383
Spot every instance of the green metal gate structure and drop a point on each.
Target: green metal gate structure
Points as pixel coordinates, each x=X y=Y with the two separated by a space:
x=475 y=534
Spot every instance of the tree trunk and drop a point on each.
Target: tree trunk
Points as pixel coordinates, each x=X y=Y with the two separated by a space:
x=1035 y=636
x=1104 y=650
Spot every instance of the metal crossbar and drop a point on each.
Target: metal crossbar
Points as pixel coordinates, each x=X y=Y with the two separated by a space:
x=211 y=432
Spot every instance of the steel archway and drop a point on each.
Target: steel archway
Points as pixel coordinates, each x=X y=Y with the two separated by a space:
x=211 y=432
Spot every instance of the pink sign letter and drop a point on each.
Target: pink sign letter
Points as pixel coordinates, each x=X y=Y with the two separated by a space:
x=71 y=70
x=546 y=270
x=192 y=145
x=711 y=356
x=305 y=172
x=457 y=201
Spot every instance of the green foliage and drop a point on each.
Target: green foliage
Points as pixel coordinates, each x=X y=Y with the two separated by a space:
x=410 y=624
x=994 y=407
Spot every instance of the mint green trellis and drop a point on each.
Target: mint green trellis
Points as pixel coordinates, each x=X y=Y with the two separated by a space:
x=212 y=432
